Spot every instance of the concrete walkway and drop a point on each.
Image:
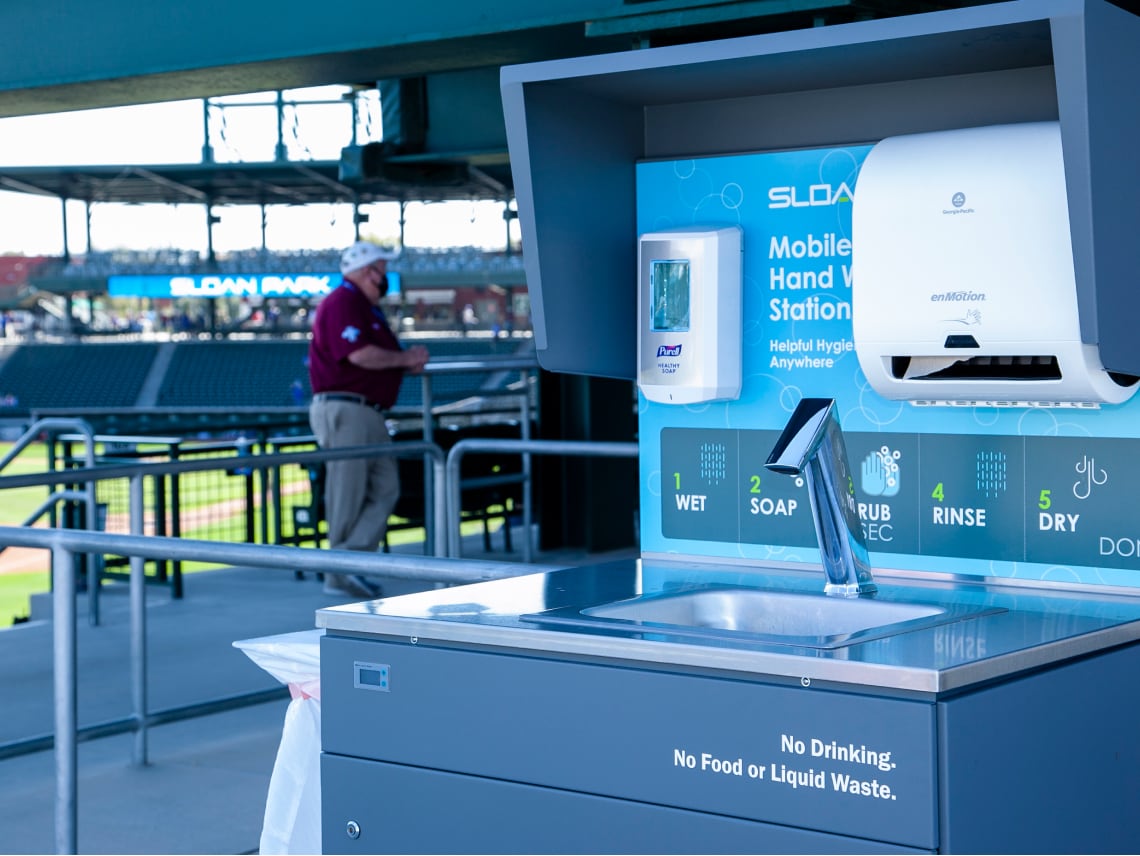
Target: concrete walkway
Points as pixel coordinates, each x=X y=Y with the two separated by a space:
x=204 y=788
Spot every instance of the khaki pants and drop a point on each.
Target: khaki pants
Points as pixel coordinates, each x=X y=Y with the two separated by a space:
x=359 y=493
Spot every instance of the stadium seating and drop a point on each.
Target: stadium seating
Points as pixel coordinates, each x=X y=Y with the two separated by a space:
x=236 y=374
x=74 y=375
x=208 y=375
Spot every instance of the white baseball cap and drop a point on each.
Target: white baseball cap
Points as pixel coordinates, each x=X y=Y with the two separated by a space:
x=362 y=254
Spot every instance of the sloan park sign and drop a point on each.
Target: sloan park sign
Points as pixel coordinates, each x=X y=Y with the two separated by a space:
x=229 y=285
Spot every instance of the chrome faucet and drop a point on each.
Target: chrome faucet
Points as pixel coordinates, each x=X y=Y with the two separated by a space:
x=812 y=445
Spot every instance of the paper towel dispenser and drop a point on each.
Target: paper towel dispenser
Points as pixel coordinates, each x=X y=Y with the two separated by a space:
x=963 y=281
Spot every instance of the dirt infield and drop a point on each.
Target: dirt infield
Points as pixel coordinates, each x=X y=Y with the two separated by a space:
x=26 y=560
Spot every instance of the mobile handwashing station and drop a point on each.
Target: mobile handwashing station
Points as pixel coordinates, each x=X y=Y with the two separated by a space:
x=876 y=283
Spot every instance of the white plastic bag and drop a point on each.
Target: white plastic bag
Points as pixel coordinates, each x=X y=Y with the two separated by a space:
x=292 y=658
x=292 y=821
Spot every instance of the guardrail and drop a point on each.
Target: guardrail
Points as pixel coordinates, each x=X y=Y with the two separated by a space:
x=527 y=367
x=526 y=448
x=87 y=496
x=433 y=455
x=518 y=397
x=65 y=543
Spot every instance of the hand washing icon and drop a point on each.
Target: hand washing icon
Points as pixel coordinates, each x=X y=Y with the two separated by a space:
x=880 y=472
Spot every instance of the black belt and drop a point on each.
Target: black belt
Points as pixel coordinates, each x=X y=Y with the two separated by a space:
x=347 y=396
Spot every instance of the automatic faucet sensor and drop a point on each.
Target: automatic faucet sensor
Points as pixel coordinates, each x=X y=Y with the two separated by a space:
x=812 y=445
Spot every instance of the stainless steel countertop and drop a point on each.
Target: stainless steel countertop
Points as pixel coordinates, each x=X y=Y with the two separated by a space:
x=1034 y=625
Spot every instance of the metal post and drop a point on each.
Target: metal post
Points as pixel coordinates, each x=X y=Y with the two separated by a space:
x=259 y=447
x=454 y=502
x=274 y=476
x=93 y=582
x=211 y=256
x=158 y=482
x=66 y=702
x=528 y=490
x=250 y=506
x=439 y=511
x=176 y=519
x=280 y=153
x=207 y=146
x=430 y=520
x=63 y=217
x=355 y=118
x=138 y=626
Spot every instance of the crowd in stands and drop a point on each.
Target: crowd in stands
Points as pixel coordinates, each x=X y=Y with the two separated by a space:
x=171 y=261
x=443 y=292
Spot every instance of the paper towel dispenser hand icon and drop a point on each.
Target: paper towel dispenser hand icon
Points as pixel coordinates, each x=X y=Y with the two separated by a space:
x=963 y=280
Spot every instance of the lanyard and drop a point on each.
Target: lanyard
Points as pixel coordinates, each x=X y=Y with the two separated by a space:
x=376 y=310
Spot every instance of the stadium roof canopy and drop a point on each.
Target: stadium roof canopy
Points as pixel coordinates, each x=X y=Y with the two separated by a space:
x=453 y=146
x=267 y=183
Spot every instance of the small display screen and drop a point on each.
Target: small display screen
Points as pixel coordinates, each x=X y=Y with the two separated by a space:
x=669 y=285
x=374 y=679
x=371 y=676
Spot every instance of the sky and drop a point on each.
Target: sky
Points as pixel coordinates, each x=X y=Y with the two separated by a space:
x=243 y=128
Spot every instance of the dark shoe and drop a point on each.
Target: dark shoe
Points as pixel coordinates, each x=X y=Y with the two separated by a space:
x=353 y=585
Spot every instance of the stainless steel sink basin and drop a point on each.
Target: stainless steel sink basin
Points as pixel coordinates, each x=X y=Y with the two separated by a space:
x=766 y=612
x=779 y=617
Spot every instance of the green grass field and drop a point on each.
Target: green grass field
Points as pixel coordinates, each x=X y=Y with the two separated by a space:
x=17 y=504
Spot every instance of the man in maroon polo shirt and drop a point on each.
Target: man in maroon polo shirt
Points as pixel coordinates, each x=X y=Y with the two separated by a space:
x=356 y=365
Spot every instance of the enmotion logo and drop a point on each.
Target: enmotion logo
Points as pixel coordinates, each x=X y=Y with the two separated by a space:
x=961 y=296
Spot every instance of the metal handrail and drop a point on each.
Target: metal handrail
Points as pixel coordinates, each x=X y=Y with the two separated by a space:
x=523 y=447
x=64 y=543
x=263 y=461
x=93 y=474
x=525 y=365
x=87 y=495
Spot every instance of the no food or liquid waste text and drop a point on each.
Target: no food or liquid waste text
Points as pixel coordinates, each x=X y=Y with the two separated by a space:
x=829 y=766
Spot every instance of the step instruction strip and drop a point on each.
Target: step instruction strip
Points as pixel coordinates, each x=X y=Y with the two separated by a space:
x=1055 y=500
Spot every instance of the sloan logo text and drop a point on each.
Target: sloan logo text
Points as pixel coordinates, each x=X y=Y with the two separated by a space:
x=815 y=195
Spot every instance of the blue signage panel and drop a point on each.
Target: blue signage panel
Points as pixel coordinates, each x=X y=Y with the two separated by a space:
x=988 y=490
